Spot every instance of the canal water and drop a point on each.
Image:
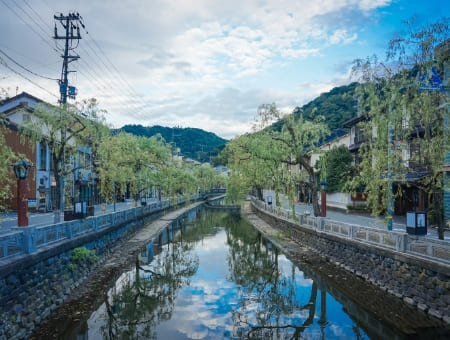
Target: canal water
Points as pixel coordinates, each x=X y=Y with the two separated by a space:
x=211 y=275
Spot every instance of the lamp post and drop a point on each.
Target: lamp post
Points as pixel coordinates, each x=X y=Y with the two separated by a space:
x=324 y=186
x=22 y=169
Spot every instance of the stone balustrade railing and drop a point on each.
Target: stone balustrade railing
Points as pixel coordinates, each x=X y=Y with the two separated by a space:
x=433 y=249
x=27 y=240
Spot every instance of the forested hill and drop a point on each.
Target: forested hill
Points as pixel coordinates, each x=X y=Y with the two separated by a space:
x=194 y=143
x=337 y=106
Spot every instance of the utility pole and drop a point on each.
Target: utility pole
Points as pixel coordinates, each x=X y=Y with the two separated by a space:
x=71 y=24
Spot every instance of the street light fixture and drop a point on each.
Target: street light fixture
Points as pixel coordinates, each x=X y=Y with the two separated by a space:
x=22 y=170
x=324 y=187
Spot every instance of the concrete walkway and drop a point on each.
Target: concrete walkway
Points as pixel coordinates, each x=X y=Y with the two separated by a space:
x=360 y=218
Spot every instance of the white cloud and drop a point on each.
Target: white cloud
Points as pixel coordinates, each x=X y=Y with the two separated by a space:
x=206 y=64
x=341 y=37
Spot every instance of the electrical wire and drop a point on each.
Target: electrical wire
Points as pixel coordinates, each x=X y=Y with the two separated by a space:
x=31 y=17
x=29 y=26
x=2 y=62
x=24 y=68
x=42 y=20
x=117 y=84
x=120 y=80
x=131 y=90
x=107 y=71
x=95 y=79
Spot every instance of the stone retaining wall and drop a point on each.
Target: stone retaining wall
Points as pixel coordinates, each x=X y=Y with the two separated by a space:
x=420 y=282
x=36 y=284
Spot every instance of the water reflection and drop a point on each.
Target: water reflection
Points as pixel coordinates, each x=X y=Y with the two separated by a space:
x=270 y=304
x=215 y=277
x=145 y=297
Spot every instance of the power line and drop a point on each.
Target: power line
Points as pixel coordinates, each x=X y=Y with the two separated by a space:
x=103 y=86
x=37 y=14
x=112 y=88
x=31 y=18
x=102 y=65
x=26 y=78
x=24 y=68
x=41 y=19
x=132 y=91
x=104 y=59
x=29 y=26
x=116 y=76
x=39 y=63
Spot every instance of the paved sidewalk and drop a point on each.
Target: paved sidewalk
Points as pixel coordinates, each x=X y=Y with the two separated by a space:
x=363 y=219
x=8 y=220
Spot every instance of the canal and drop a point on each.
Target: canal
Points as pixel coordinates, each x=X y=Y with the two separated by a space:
x=211 y=275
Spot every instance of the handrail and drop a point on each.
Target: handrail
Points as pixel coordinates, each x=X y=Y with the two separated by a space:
x=437 y=250
x=27 y=240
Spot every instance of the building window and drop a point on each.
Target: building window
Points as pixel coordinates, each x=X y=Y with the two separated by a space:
x=43 y=157
x=87 y=159
x=81 y=159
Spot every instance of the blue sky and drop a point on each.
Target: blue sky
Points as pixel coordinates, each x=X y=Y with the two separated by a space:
x=200 y=63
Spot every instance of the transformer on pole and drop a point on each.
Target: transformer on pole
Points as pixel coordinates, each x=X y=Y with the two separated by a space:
x=71 y=24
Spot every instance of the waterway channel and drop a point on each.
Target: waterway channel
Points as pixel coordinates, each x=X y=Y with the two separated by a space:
x=211 y=275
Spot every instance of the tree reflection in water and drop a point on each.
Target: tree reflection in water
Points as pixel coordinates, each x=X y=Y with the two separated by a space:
x=145 y=297
x=263 y=295
x=268 y=305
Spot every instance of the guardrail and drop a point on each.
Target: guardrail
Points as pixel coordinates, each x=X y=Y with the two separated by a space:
x=437 y=250
x=27 y=240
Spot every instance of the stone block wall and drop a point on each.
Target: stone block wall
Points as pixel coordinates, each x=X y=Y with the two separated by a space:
x=419 y=282
x=40 y=282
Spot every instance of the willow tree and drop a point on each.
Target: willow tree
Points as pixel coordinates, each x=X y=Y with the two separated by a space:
x=65 y=129
x=128 y=162
x=405 y=111
x=251 y=169
x=279 y=159
x=95 y=134
x=207 y=177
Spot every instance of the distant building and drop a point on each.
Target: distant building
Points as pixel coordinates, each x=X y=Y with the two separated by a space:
x=223 y=170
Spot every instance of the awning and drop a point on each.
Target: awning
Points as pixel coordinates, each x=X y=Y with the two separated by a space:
x=416 y=176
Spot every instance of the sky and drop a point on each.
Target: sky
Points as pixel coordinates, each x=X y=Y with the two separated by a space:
x=201 y=63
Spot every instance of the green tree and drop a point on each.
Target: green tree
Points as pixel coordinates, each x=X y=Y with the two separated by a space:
x=280 y=159
x=336 y=168
x=400 y=111
x=252 y=169
x=6 y=159
x=130 y=162
x=64 y=129
x=207 y=177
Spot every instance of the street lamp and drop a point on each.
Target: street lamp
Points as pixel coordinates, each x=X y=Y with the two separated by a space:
x=324 y=187
x=22 y=169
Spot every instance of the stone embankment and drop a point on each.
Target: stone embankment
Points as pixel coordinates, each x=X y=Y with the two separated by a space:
x=410 y=294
